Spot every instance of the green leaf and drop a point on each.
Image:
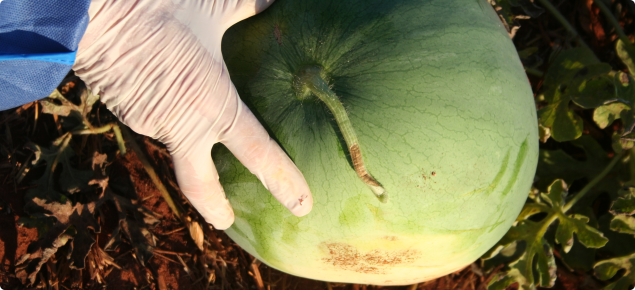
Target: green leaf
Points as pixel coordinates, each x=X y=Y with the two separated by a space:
x=70 y=180
x=538 y=252
x=623 y=224
x=629 y=133
x=579 y=257
x=605 y=115
x=575 y=75
x=500 y=255
x=607 y=269
x=625 y=204
x=504 y=280
x=626 y=52
x=44 y=186
x=593 y=86
x=589 y=236
x=566 y=63
x=537 y=257
x=620 y=144
x=531 y=209
x=564 y=124
x=556 y=194
x=619 y=244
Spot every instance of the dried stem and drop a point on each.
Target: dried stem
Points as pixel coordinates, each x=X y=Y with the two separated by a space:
x=310 y=78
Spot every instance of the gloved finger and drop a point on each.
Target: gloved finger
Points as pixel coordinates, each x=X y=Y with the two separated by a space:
x=251 y=144
x=198 y=179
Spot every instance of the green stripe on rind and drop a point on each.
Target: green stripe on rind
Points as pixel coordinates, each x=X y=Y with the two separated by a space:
x=522 y=154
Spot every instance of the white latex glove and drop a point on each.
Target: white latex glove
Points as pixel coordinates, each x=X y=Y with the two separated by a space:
x=158 y=67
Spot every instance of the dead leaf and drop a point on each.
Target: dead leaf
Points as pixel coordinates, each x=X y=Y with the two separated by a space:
x=197 y=234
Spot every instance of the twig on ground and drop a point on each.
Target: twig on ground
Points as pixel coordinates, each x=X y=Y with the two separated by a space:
x=171 y=253
x=172 y=231
x=165 y=258
x=256 y=274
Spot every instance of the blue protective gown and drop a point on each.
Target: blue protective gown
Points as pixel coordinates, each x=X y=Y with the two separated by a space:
x=38 y=42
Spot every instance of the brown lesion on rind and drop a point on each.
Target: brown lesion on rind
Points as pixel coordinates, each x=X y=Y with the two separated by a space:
x=347 y=257
x=358 y=164
x=277 y=35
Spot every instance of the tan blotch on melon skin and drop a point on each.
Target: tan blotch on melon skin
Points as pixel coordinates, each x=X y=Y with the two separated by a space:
x=386 y=260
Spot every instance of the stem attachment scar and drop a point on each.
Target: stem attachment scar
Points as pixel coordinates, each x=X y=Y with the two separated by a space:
x=310 y=80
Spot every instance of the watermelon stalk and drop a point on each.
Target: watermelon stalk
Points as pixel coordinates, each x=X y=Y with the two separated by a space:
x=310 y=77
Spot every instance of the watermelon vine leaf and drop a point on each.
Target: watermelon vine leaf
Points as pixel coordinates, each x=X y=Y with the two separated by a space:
x=37 y=254
x=622 y=107
x=135 y=223
x=63 y=221
x=76 y=117
x=538 y=251
x=623 y=208
x=63 y=203
x=57 y=104
x=76 y=222
x=625 y=204
x=626 y=52
x=70 y=179
x=575 y=75
x=607 y=269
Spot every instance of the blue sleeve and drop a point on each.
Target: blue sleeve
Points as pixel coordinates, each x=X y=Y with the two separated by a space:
x=38 y=42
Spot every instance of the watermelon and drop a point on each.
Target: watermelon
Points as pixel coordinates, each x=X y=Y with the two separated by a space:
x=443 y=117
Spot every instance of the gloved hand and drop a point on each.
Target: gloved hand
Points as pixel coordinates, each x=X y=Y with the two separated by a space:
x=158 y=67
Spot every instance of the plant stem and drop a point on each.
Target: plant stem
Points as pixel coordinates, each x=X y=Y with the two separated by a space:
x=594 y=181
x=120 y=141
x=63 y=144
x=90 y=131
x=611 y=18
x=632 y=163
x=552 y=9
x=150 y=170
x=104 y=129
x=310 y=77
x=548 y=221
